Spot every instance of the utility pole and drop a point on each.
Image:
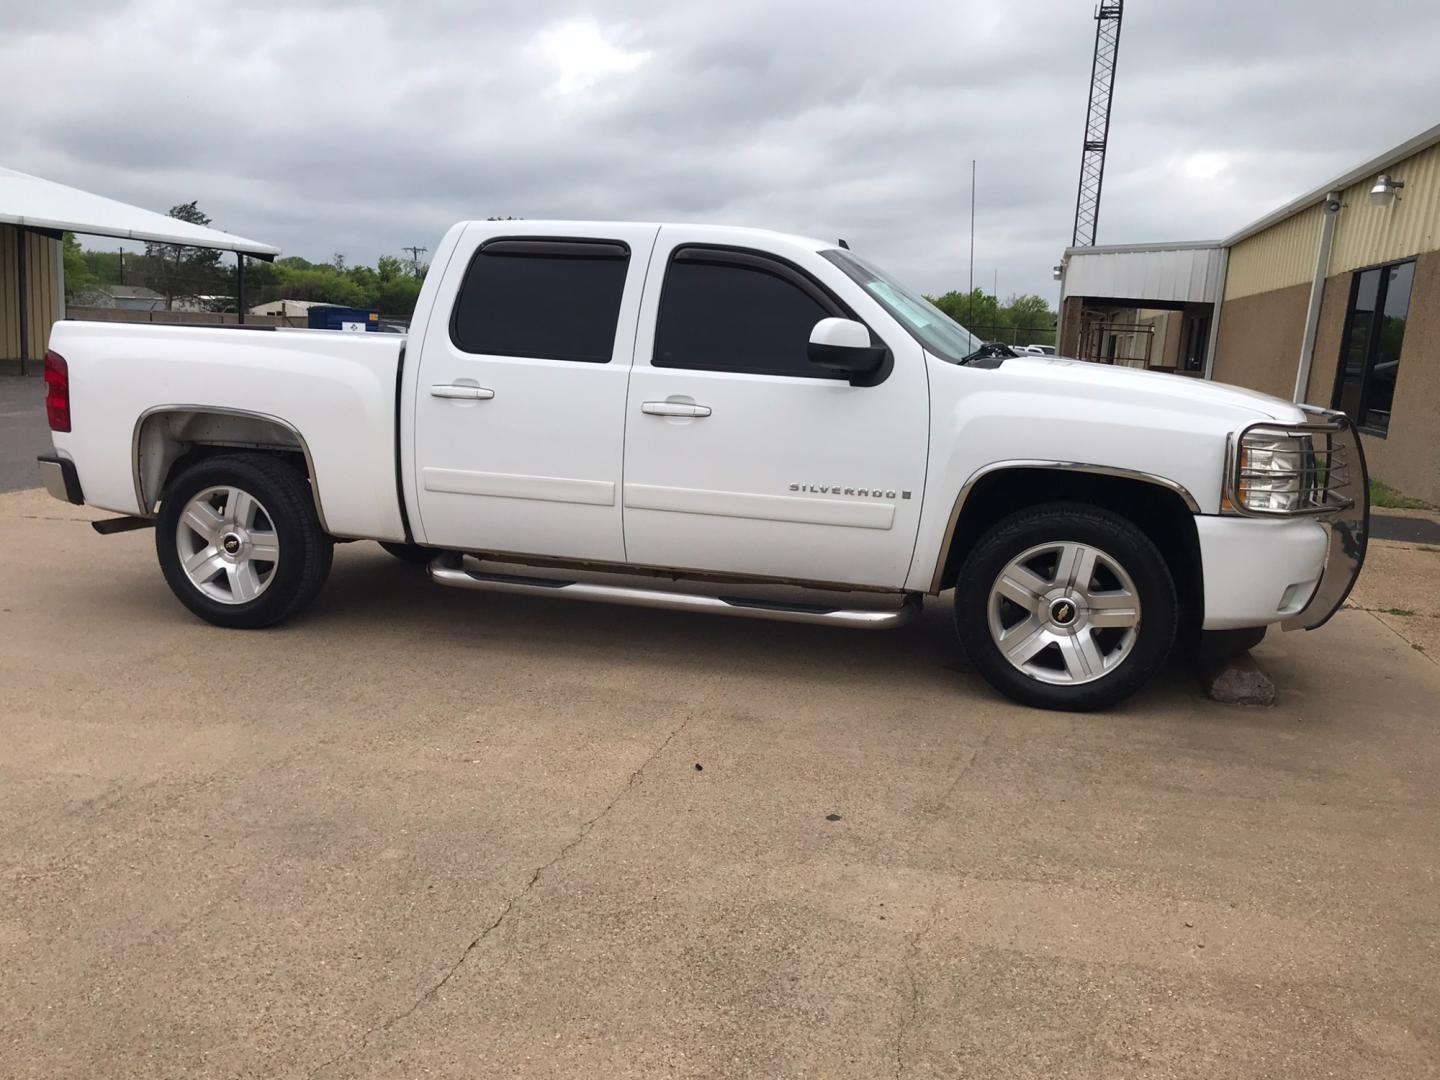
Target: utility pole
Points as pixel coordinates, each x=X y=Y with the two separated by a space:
x=1097 y=121
x=415 y=253
x=970 y=297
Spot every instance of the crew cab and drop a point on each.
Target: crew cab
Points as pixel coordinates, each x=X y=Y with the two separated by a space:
x=733 y=409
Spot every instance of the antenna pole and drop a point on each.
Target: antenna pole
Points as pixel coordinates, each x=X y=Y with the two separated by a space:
x=1097 y=122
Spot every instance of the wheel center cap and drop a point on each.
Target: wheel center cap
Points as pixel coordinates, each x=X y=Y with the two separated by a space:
x=231 y=543
x=1062 y=611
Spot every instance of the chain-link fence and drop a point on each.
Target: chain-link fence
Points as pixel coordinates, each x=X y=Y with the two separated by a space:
x=1016 y=335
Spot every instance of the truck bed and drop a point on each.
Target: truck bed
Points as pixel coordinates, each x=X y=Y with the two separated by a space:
x=335 y=391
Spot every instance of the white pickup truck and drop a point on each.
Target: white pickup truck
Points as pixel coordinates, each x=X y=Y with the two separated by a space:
x=733 y=409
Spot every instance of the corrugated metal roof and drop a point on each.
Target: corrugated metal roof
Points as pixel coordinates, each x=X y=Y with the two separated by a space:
x=43 y=204
x=1173 y=272
x=1115 y=249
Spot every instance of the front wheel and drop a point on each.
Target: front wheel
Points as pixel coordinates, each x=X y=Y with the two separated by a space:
x=1066 y=606
x=239 y=541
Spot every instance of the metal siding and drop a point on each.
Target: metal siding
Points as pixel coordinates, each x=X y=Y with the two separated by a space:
x=1367 y=234
x=9 y=296
x=1281 y=256
x=40 y=254
x=44 y=294
x=1185 y=275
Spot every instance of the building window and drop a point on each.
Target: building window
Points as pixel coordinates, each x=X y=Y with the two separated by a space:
x=1370 y=349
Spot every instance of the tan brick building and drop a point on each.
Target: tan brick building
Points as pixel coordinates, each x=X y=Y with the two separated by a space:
x=1334 y=299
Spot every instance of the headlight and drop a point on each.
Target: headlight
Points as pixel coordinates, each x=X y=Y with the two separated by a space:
x=1274 y=474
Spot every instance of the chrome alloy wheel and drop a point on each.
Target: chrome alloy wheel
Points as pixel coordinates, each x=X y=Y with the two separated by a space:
x=1064 y=613
x=227 y=545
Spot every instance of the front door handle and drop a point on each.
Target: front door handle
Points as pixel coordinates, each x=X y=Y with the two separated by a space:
x=673 y=408
x=461 y=393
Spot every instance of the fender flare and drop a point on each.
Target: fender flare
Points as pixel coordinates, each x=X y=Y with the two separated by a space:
x=250 y=414
x=979 y=474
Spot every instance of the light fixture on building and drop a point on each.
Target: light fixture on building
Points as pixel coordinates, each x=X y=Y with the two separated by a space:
x=1059 y=271
x=1385 y=190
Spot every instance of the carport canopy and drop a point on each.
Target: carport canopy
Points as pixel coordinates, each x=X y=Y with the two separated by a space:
x=43 y=205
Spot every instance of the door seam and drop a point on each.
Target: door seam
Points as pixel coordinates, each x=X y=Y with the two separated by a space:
x=629 y=379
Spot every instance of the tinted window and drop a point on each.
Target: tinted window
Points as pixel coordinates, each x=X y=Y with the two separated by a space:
x=729 y=317
x=1374 y=337
x=547 y=300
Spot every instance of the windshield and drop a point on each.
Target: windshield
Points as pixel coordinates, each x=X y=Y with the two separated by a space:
x=927 y=324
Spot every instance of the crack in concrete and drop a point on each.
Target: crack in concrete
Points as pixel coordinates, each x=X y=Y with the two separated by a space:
x=910 y=1002
x=964 y=770
x=510 y=903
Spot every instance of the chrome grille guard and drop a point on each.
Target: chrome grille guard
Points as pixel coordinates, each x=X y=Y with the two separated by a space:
x=1339 y=495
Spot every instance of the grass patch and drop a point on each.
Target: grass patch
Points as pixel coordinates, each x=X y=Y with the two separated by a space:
x=1399 y=611
x=1384 y=495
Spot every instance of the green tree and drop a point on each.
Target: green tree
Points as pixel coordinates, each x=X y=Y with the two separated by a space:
x=78 y=277
x=1021 y=320
x=178 y=271
x=111 y=268
x=397 y=298
x=976 y=310
x=1032 y=319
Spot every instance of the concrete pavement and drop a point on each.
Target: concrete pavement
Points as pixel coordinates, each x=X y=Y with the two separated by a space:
x=24 y=431
x=422 y=832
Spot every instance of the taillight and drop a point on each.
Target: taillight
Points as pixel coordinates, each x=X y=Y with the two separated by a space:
x=57 y=391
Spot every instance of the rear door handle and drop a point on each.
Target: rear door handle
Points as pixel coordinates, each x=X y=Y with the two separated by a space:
x=673 y=408
x=461 y=393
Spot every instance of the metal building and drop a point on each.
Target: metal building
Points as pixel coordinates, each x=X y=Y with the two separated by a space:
x=1332 y=299
x=34 y=214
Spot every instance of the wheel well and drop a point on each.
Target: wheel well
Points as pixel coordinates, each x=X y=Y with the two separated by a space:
x=1158 y=511
x=169 y=441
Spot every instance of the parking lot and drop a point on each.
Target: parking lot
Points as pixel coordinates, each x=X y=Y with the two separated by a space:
x=427 y=832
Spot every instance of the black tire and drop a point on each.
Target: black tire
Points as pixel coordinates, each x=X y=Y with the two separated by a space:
x=305 y=550
x=1079 y=523
x=410 y=553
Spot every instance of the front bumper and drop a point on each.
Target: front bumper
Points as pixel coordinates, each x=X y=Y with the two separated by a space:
x=1295 y=567
x=1258 y=572
x=60 y=478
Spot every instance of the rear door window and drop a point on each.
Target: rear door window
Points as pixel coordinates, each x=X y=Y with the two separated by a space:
x=542 y=299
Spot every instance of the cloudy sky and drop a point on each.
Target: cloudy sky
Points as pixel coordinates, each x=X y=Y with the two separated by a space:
x=359 y=128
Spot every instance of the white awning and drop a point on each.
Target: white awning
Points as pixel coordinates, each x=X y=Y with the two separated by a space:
x=43 y=204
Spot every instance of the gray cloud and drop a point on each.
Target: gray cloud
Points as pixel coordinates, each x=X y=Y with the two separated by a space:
x=333 y=126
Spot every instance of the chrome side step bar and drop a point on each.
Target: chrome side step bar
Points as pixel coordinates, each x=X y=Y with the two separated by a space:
x=461 y=578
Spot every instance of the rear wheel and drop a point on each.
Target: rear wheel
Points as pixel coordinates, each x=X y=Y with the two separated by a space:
x=239 y=541
x=1066 y=606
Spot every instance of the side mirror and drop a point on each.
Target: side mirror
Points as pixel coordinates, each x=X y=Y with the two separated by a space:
x=843 y=345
